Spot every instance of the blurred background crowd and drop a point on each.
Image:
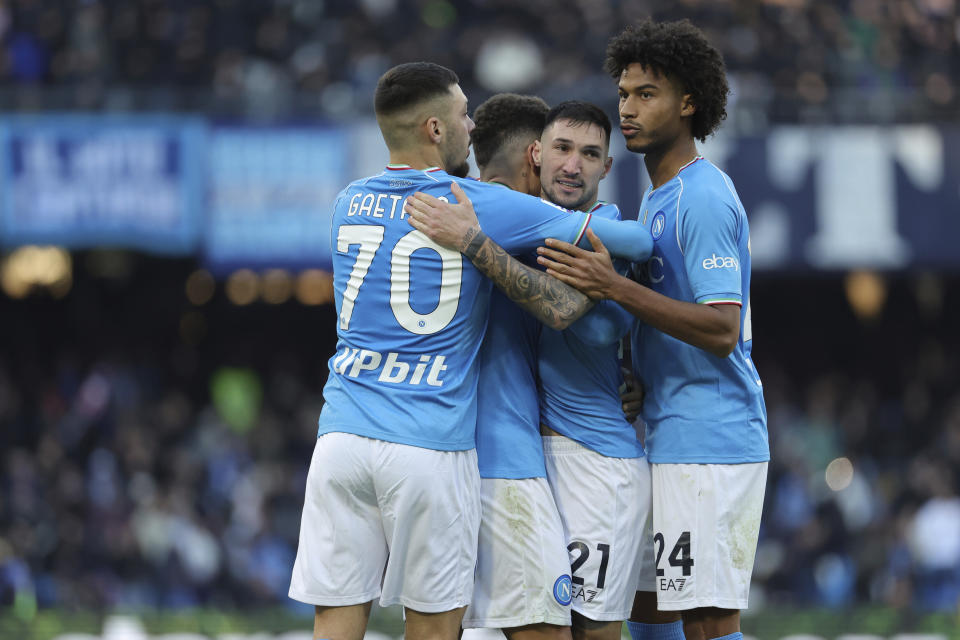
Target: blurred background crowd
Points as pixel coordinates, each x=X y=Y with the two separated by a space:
x=790 y=60
x=153 y=450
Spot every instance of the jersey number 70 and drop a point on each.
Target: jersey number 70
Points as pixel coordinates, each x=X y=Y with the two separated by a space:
x=370 y=237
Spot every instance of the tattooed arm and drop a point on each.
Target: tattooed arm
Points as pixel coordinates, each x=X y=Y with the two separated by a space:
x=455 y=226
x=554 y=303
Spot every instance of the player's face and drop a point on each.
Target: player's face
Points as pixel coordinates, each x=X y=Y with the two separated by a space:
x=573 y=160
x=652 y=110
x=456 y=144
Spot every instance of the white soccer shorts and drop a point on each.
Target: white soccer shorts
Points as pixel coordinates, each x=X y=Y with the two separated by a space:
x=706 y=519
x=380 y=513
x=604 y=504
x=523 y=573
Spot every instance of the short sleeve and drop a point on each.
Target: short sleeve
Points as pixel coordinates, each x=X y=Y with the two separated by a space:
x=708 y=232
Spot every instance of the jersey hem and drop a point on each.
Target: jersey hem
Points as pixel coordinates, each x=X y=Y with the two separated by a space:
x=517 y=621
x=603 y=616
x=426 y=607
x=331 y=601
x=654 y=459
x=558 y=447
x=720 y=603
x=722 y=297
x=385 y=437
x=511 y=475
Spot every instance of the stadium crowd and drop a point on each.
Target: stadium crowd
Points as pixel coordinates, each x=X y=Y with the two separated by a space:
x=790 y=60
x=151 y=460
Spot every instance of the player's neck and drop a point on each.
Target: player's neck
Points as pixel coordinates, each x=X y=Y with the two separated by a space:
x=515 y=182
x=662 y=166
x=417 y=158
x=496 y=177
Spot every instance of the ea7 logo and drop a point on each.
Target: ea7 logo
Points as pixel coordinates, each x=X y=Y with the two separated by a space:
x=674 y=584
x=719 y=262
x=586 y=595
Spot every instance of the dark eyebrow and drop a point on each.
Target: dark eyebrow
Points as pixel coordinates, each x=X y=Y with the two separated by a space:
x=643 y=87
x=588 y=147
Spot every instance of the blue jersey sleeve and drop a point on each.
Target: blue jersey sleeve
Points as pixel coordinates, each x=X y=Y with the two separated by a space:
x=519 y=223
x=625 y=239
x=709 y=231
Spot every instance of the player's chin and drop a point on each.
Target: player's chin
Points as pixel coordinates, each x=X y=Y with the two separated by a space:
x=637 y=144
x=569 y=203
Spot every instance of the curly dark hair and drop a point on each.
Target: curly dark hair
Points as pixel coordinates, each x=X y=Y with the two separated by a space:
x=502 y=117
x=679 y=51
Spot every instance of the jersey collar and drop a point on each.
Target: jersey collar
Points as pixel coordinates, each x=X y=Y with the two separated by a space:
x=650 y=189
x=406 y=167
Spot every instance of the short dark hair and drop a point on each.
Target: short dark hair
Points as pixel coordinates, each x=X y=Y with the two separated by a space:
x=502 y=117
x=409 y=84
x=580 y=112
x=679 y=51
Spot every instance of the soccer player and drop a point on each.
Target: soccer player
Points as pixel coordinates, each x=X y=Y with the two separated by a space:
x=595 y=464
x=392 y=498
x=706 y=422
x=522 y=582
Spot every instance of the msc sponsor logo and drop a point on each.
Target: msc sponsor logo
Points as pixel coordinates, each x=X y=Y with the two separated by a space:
x=721 y=262
x=658 y=225
x=563 y=590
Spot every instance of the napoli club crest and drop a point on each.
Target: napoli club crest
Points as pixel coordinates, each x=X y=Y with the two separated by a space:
x=658 y=225
x=563 y=590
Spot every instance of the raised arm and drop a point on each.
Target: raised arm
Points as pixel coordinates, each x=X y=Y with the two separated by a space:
x=455 y=226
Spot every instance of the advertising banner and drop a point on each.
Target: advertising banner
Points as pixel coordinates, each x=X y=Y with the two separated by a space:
x=88 y=181
x=270 y=196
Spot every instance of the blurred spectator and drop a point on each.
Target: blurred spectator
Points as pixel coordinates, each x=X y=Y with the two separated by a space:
x=790 y=60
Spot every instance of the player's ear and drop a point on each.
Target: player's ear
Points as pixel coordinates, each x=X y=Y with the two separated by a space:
x=687 y=107
x=528 y=157
x=535 y=153
x=434 y=128
x=607 y=165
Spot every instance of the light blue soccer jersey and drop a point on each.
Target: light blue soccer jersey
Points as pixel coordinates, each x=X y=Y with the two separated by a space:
x=699 y=408
x=412 y=314
x=508 y=414
x=580 y=377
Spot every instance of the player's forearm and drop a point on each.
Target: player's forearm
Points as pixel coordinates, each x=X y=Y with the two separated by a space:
x=705 y=326
x=552 y=302
x=622 y=238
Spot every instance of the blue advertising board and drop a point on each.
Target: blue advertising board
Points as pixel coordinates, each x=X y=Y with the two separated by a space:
x=270 y=196
x=88 y=181
x=821 y=198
